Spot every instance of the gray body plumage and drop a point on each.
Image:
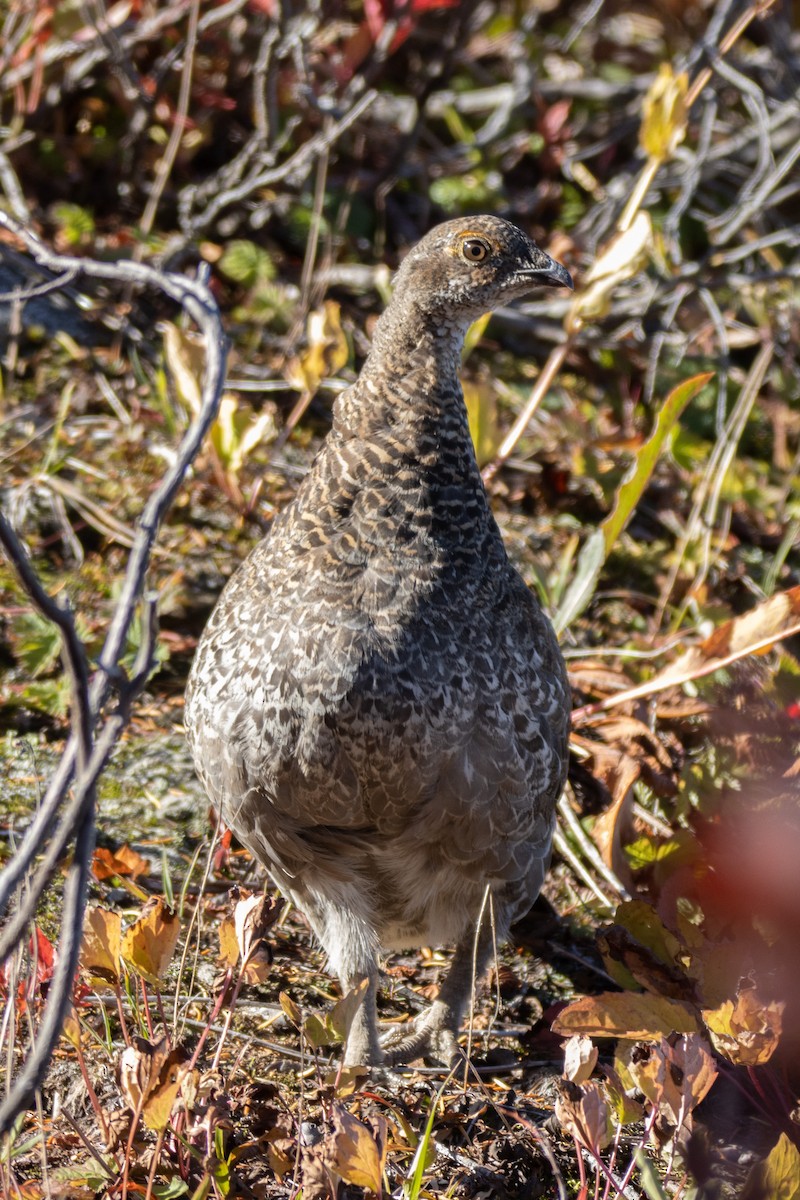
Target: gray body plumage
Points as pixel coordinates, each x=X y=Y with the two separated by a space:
x=378 y=705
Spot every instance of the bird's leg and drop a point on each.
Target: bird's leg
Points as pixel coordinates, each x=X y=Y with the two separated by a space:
x=362 y=1047
x=436 y=1030
x=352 y=948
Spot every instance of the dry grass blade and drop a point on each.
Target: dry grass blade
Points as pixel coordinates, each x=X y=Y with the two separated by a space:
x=755 y=632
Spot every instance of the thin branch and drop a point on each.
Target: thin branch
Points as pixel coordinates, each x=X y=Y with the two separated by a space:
x=59 y=820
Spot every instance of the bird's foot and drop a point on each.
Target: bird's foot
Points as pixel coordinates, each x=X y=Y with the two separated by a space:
x=432 y=1037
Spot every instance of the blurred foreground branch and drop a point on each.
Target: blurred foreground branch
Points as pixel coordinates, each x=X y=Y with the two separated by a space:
x=100 y=705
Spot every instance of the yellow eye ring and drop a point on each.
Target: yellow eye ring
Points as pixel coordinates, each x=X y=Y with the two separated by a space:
x=474 y=249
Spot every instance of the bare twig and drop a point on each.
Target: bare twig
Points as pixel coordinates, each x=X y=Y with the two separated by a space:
x=59 y=821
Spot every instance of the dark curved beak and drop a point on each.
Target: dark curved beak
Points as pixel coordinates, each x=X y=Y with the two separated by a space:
x=546 y=272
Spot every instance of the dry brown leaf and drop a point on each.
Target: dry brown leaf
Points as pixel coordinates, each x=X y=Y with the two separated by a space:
x=755 y=632
x=148 y=945
x=674 y=1075
x=358 y=1154
x=629 y=1015
x=253 y=916
x=589 y=675
x=228 y=943
x=580 y=1058
x=150 y=1077
x=618 y=773
x=101 y=944
x=291 y=1009
x=746 y=1031
x=107 y=863
x=585 y=1113
x=625 y=253
x=342 y=1013
x=248 y=917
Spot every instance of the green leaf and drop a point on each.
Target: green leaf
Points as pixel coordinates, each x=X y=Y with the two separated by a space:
x=172 y=1190
x=316 y=1032
x=425 y=1154
x=631 y=489
x=600 y=543
x=643 y=922
x=38 y=643
x=77 y=224
x=651 y=1185
x=584 y=581
x=246 y=263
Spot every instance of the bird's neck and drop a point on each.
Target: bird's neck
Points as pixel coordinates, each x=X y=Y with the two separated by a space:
x=408 y=389
x=398 y=468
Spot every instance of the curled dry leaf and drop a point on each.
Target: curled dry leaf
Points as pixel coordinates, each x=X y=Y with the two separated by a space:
x=253 y=916
x=754 y=632
x=150 y=1077
x=108 y=863
x=746 y=1031
x=580 y=1058
x=185 y=355
x=291 y=1009
x=626 y=1015
x=585 y=1113
x=620 y=259
x=618 y=773
x=342 y=1013
x=148 y=945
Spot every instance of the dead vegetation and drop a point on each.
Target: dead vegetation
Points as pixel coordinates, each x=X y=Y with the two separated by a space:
x=639 y=1035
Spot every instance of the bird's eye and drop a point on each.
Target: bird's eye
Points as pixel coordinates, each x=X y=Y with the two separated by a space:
x=474 y=250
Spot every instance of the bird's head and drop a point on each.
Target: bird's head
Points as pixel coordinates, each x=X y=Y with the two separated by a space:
x=467 y=267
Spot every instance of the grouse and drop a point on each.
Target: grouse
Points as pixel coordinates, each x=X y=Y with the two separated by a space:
x=378 y=705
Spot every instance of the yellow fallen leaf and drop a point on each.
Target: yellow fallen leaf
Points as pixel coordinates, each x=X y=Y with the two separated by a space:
x=357 y=1156
x=185 y=356
x=664 y=114
x=327 y=350
x=778 y=1176
x=148 y=945
x=626 y=1015
x=101 y=944
x=746 y=1030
